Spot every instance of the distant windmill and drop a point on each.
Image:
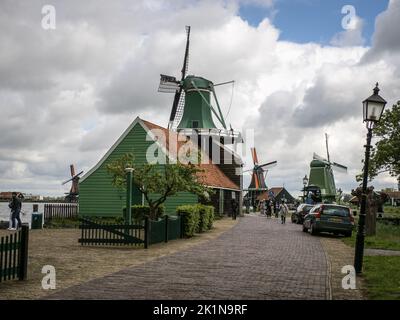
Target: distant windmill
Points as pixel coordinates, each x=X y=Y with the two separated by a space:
x=73 y=194
x=258 y=173
x=321 y=179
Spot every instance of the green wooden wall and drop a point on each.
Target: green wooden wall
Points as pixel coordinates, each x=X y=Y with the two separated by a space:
x=97 y=195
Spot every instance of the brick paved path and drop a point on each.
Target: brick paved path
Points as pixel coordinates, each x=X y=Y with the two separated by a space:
x=257 y=259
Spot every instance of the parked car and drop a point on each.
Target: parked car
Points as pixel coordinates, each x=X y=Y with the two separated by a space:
x=329 y=218
x=301 y=211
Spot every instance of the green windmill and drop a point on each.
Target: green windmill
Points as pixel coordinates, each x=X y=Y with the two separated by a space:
x=321 y=184
x=192 y=107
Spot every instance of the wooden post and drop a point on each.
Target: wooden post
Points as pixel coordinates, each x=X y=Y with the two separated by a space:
x=146 y=232
x=166 y=227
x=182 y=233
x=23 y=252
x=129 y=178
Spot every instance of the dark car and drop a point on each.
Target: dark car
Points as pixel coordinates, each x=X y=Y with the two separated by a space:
x=301 y=211
x=329 y=218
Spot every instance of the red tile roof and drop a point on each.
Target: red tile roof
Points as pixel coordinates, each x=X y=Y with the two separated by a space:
x=211 y=175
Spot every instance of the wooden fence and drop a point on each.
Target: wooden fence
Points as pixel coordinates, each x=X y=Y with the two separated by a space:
x=60 y=211
x=14 y=255
x=103 y=233
x=144 y=233
x=167 y=228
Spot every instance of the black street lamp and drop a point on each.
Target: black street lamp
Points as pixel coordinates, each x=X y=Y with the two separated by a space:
x=372 y=111
x=305 y=183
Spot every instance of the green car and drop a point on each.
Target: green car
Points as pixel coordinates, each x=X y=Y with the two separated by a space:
x=329 y=218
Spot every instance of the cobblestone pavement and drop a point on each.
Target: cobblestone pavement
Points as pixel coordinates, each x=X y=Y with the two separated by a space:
x=338 y=256
x=257 y=259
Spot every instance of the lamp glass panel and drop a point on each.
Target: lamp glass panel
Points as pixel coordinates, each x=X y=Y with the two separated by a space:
x=374 y=111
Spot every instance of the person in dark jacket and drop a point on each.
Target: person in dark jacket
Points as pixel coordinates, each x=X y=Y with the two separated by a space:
x=15 y=206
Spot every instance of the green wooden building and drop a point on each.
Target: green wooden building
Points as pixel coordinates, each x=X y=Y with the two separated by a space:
x=98 y=197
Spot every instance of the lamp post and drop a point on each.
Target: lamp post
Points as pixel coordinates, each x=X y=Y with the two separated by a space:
x=129 y=180
x=340 y=192
x=372 y=111
x=305 y=182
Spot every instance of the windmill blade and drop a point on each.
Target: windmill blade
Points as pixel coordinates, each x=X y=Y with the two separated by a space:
x=317 y=157
x=175 y=104
x=186 y=59
x=254 y=156
x=339 y=167
x=256 y=180
x=268 y=165
x=77 y=175
x=327 y=147
x=72 y=168
x=179 y=101
x=168 y=84
x=67 y=181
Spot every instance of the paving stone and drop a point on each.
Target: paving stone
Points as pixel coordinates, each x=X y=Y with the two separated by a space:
x=257 y=259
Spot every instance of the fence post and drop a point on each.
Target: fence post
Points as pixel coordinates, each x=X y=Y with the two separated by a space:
x=166 y=227
x=181 y=225
x=146 y=232
x=23 y=252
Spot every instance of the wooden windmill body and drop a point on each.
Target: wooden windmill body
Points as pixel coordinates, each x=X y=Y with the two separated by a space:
x=73 y=194
x=257 y=185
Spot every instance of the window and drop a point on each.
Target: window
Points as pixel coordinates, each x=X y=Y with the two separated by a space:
x=336 y=211
x=195 y=124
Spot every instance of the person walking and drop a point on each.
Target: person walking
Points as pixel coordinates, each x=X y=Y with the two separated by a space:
x=283 y=211
x=15 y=206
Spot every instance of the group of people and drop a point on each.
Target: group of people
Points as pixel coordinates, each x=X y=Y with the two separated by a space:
x=269 y=207
x=15 y=205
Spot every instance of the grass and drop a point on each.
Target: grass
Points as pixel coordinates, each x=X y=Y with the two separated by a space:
x=387 y=237
x=391 y=212
x=57 y=223
x=382 y=277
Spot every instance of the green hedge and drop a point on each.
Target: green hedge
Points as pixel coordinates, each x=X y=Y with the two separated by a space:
x=139 y=212
x=196 y=218
x=190 y=218
x=206 y=218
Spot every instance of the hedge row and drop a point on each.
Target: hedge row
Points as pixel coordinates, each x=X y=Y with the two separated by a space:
x=196 y=218
x=139 y=212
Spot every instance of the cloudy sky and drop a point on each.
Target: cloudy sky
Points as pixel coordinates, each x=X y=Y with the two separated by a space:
x=66 y=94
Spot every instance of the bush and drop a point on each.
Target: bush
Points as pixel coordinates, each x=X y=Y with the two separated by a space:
x=139 y=212
x=191 y=217
x=206 y=218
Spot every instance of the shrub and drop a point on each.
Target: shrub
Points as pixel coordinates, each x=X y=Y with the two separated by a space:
x=206 y=218
x=139 y=212
x=191 y=216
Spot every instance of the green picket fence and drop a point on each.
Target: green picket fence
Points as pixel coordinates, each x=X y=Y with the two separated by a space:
x=146 y=232
x=95 y=232
x=166 y=228
x=14 y=255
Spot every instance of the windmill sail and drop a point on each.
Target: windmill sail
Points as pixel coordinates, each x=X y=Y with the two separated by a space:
x=170 y=84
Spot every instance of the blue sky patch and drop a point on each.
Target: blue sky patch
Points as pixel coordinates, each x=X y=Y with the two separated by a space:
x=318 y=21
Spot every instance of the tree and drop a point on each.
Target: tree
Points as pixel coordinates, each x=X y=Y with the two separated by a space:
x=374 y=201
x=157 y=182
x=385 y=155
